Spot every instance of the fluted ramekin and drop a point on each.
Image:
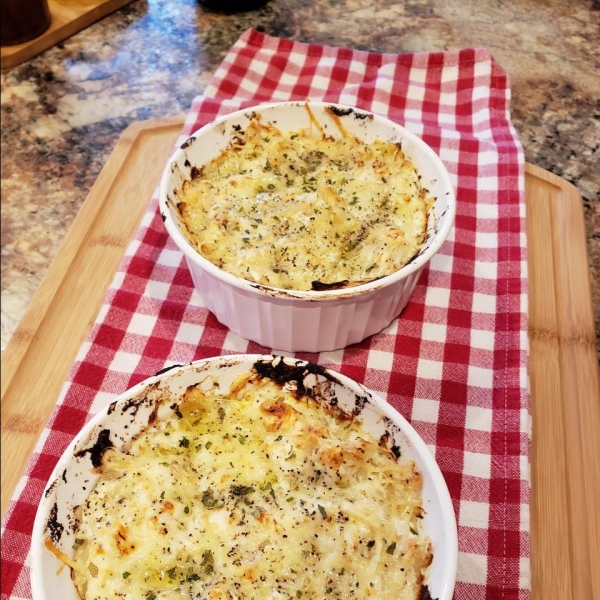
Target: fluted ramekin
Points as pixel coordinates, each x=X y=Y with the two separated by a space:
x=311 y=321
x=76 y=475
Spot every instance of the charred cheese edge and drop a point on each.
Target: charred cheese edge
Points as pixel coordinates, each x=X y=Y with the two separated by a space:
x=299 y=210
x=254 y=494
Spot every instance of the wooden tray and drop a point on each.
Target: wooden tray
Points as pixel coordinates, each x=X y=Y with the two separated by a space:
x=565 y=519
x=68 y=17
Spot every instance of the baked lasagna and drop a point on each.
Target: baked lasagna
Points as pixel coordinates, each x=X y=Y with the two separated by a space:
x=258 y=492
x=302 y=210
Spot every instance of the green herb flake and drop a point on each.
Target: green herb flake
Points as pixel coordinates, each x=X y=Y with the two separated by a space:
x=269 y=487
x=241 y=490
x=208 y=561
x=209 y=500
x=184 y=442
x=322 y=511
x=126 y=574
x=390 y=549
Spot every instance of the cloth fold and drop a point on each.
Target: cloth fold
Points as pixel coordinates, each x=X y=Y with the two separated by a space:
x=454 y=363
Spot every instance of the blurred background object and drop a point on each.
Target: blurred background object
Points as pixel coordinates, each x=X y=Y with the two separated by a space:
x=232 y=6
x=23 y=20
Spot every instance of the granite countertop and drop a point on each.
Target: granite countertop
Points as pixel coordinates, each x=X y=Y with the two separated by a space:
x=63 y=111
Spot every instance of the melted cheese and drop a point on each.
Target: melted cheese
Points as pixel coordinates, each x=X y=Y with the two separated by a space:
x=299 y=211
x=255 y=494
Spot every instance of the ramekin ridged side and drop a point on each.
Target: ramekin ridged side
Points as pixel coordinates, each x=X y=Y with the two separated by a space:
x=300 y=325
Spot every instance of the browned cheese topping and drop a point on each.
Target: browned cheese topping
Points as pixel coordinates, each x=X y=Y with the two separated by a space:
x=287 y=209
x=252 y=494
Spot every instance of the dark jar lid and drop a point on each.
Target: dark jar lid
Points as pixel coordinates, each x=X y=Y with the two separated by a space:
x=23 y=20
x=232 y=6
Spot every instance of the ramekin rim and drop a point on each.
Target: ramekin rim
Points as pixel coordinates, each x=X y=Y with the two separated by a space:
x=420 y=260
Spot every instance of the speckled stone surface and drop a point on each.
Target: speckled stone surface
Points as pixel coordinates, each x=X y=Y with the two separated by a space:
x=63 y=111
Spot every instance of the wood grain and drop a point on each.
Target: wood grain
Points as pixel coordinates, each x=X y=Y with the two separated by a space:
x=565 y=519
x=565 y=394
x=68 y=17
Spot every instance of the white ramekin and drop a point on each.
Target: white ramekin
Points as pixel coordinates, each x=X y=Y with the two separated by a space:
x=75 y=476
x=311 y=321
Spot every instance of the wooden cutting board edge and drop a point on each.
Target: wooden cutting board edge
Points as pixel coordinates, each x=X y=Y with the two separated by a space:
x=565 y=393
x=565 y=388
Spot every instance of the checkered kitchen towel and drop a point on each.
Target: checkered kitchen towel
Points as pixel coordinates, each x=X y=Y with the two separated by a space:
x=454 y=363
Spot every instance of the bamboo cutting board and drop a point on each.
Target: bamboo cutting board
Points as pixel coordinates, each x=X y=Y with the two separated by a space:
x=565 y=518
x=68 y=17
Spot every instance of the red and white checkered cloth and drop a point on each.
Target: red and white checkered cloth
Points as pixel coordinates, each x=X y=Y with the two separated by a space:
x=455 y=361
